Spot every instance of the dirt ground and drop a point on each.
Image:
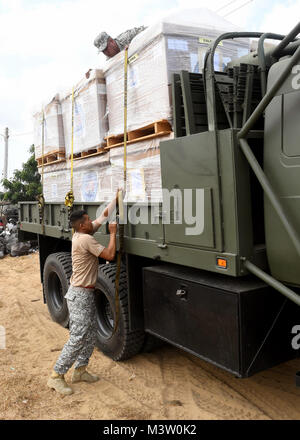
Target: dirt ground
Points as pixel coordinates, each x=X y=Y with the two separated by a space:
x=165 y=384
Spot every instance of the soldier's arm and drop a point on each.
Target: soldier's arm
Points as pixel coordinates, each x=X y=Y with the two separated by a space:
x=109 y=253
x=126 y=37
x=136 y=31
x=105 y=214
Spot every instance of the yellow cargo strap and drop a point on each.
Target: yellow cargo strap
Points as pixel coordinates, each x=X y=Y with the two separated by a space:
x=69 y=199
x=125 y=115
x=40 y=198
x=120 y=202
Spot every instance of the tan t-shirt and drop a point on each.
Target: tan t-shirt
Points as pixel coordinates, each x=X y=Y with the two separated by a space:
x=85 y=253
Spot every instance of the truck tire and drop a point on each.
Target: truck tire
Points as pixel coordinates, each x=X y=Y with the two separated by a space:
x=124 y=344
x=57 y=274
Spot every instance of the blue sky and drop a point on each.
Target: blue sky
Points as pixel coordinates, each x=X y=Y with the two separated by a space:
x=47 y=45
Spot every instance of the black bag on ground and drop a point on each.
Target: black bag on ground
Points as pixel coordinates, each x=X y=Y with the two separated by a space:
x=20 y=248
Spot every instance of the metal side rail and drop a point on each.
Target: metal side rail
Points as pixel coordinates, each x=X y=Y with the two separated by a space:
x=264 y=181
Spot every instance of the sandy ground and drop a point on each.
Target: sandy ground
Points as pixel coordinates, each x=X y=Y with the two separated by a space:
x=165 y=384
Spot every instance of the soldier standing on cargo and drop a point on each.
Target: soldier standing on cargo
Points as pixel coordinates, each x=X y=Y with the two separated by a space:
x=111 y=46
x=80 y=298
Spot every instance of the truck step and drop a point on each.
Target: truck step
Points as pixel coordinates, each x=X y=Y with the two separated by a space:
x=51 y=158
x=155 y=129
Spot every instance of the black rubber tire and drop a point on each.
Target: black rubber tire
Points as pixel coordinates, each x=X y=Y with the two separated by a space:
x=57 y=274
x=124 y=344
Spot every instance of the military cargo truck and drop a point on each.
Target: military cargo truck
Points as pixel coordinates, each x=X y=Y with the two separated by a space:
x=226 y=289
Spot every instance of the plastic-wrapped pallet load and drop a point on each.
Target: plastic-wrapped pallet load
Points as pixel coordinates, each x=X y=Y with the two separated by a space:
x=86 y=177
x=97 y=178
x=53 y=129
x=143 y=170
x=176 y=43
x=90 y=121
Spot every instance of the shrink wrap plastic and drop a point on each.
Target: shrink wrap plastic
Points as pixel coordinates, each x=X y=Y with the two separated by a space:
x=86 y=172
x=143 y=170
x=53 y=129
x=90 y=121
x=96 y=179
x=178 y=42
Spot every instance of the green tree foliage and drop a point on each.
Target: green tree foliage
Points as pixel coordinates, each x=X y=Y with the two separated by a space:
x=25 y=184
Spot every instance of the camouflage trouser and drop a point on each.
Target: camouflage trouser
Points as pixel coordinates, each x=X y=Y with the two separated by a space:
x=82 y=325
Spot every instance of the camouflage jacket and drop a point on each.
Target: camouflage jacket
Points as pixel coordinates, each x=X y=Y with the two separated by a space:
x=125 y=38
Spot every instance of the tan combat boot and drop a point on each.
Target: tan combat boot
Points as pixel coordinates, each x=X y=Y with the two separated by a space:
x=81 y=375
x=58 y=383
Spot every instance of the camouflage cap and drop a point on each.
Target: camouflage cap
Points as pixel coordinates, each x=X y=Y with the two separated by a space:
x=101 y=41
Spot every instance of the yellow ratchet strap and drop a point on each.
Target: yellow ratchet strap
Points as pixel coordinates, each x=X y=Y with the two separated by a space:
x=120 y=202
x=40 y=198
x=69 y=199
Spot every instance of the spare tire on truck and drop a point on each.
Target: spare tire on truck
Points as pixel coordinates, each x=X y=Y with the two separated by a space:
x=124 y=343
x=57 y=274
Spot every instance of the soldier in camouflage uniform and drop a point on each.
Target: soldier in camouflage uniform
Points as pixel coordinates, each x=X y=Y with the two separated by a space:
x=83 y=330
x=111 y=46
x=80 y=298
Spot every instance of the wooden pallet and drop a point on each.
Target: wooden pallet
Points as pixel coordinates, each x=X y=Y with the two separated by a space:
x=156 y=129
x=51 y=158
x=89 y=153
